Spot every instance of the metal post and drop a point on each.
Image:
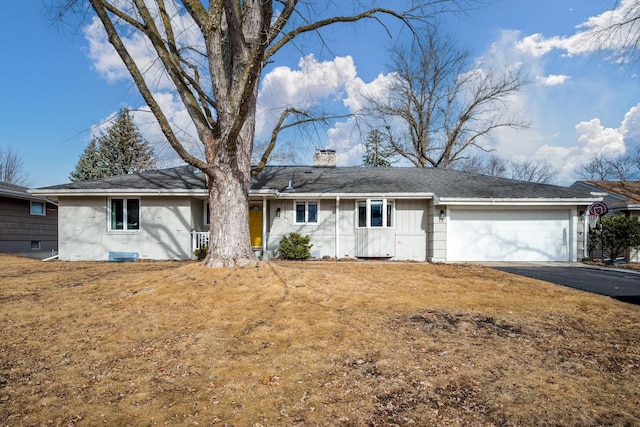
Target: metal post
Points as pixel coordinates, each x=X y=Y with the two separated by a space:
x=601 y=241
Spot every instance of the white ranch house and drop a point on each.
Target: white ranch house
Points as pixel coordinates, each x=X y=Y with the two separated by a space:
x=420 y=214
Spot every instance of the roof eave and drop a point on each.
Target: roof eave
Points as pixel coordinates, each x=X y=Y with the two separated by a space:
x=333 y=195
x=627 y=207
x=20 y=195
x=115 y=192
x=504 y=201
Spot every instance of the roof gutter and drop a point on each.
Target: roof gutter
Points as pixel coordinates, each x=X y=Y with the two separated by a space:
x=628 y=207
x=356 y=195
x=24 y=195
x=116 y=191
x=467 y=201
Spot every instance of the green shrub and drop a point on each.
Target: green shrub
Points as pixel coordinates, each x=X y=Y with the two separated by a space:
x=201 y=253
x=295 y=246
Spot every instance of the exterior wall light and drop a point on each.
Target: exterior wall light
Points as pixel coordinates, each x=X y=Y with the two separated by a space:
x=442 y=215
x=278 y=213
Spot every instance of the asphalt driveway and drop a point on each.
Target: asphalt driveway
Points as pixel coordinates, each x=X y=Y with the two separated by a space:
x=620 y=284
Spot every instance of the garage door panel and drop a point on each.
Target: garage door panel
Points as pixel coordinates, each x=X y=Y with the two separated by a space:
x=508 y=235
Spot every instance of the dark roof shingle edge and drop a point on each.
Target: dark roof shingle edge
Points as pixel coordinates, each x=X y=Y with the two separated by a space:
x=445 y=183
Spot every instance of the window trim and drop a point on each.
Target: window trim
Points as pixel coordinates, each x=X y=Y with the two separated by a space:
x=125 y=223
x=306 y=211
x=44 y=208
x=388 y=212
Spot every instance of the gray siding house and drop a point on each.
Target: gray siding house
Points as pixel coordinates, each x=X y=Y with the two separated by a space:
x=28 y=223
x=416 y=214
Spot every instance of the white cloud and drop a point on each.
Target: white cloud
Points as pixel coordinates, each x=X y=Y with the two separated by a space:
x=359 y=92
x=304 y=88
x=105 y=58
x=537 y=45
x=544 y=140
x=332 y=85
x=553 y=79
x=593 y=139
x=108 y=64
x=586 y=38
x=630 y=128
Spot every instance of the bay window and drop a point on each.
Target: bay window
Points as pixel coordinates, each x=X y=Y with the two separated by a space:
x=375 y=213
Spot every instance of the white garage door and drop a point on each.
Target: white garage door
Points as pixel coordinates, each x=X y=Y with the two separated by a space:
x=508 y=235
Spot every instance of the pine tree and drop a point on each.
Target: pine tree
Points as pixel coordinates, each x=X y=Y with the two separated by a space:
x=88 y=166
x=120 y=150
x=377 y=153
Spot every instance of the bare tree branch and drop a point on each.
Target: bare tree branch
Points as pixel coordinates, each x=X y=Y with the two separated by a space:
x=437 y=107
x=12 y=168
x=302 y=118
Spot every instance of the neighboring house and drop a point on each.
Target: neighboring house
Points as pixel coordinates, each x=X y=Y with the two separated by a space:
x=393 y=213
x=621 y=197
x=28 y=223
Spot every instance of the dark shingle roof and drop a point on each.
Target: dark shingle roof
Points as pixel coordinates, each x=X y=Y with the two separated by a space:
x=341 y=180
x=16 y=191
x=441 y=182
x=178 y=178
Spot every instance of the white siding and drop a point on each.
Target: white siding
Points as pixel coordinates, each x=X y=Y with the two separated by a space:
x=322 y=234
x=411 y=230
x=165 y=225
x=407 y=240
x=375 y=242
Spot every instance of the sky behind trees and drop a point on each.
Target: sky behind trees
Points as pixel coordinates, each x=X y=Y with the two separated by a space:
x=63 y=82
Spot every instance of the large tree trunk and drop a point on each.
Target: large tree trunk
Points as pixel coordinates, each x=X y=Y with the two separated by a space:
x=229 y=181
x=229 y=243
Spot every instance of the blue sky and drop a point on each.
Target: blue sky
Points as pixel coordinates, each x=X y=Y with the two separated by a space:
x=59 y=83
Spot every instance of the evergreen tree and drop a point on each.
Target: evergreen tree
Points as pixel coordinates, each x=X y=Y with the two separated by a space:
x=88 y=166
x=377 y=153
x=120 y=150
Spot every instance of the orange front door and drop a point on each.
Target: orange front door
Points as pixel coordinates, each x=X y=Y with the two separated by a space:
x=255 y=224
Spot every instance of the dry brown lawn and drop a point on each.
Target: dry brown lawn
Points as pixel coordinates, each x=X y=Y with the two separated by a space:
x=309 y=344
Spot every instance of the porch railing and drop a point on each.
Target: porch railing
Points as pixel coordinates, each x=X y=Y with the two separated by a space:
x=199 y=239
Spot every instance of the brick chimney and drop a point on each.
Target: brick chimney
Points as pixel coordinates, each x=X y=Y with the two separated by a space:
x=324 y=158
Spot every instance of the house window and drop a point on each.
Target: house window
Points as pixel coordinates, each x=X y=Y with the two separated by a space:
x=207 y=214
x=375 y=213
x=306 y=212
x=125 y=214
x=37 y=208
x=35 y=244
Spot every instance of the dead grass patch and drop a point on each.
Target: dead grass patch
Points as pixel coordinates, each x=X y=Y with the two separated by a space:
x=306 y=344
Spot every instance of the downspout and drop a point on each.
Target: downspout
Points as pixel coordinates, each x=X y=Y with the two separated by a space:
x=337 y=227
x=264 y=226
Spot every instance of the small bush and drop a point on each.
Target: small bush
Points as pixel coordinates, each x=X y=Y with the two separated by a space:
x=201 y=253
x=295 y=246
